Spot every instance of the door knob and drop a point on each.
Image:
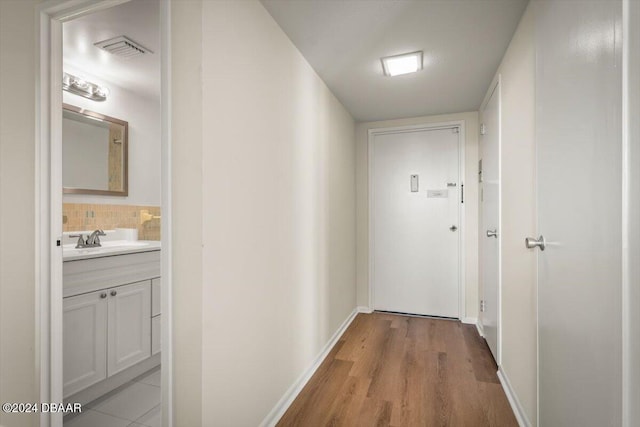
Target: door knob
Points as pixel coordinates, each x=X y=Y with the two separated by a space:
x=453 y=228
x=492 y=233
x=103 y=295
x=532 y=242
x=114 y=293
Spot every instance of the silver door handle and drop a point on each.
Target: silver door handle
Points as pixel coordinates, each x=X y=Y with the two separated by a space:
x=532 y=242
x=492 y=233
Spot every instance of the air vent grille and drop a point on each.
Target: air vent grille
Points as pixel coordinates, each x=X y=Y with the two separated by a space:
x=122 y=46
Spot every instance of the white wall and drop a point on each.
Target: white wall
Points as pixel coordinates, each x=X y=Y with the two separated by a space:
x=277 y=204
x=631 y=248
x=519 y=323
x=17 y=209
x=470 y=203
x=186 y=210
x=143 y=116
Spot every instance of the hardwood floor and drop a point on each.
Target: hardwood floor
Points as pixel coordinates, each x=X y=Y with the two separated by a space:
x=392 y=370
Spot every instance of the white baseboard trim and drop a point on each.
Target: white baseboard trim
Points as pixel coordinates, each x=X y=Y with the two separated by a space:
x=469 y=320
x=289 y=396
x=480 y=329
x=363 y=309
x=518 y=410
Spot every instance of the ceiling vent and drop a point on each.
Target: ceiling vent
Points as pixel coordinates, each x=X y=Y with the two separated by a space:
x=122 y=46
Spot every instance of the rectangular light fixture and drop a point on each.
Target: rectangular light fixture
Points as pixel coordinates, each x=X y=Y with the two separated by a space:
x=402 y=64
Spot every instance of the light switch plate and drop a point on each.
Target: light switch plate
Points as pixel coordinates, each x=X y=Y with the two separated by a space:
x=414 y=183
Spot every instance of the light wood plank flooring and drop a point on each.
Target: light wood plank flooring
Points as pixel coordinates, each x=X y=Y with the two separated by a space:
x=392 y=370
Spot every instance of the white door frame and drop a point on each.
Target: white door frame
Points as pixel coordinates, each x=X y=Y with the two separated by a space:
x=48 y=256
x=495 y=87
x=460 y=124
x=630 y=135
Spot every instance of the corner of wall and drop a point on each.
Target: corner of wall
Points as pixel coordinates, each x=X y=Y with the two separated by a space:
x=186 y=181
x=18 y=329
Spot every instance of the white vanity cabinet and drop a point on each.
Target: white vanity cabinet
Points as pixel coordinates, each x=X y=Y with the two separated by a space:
x=107 y=321
x=104 y=333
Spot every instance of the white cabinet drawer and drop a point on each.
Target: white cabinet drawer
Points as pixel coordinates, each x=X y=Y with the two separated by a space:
x=156 y=344
x=156 y=291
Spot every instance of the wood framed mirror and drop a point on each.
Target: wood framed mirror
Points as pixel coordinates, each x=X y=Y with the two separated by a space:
x=94 y=153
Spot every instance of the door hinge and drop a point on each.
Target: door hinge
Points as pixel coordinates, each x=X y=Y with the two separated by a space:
x=461 y=193
x=456 y=130
x=480 y=170
x=482 y=306
x=483 y=129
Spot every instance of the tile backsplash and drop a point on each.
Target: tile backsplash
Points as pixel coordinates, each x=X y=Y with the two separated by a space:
x=84 y=216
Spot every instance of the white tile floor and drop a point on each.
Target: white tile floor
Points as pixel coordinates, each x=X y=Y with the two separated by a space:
x=135 y=405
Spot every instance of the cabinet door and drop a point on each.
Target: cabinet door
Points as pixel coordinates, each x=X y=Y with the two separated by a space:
x=129 y=334
x=84 y=341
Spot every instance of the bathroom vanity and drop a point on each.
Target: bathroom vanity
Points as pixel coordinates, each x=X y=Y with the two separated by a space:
x=111 y=315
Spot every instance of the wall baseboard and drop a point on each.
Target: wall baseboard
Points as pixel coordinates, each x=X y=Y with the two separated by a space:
x=469 y=320
x=480 y=329
x=363 y=309
x=289 y=396
x=518 y=410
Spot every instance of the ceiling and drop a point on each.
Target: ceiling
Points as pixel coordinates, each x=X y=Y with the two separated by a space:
x=139 y=20
x=343 y=40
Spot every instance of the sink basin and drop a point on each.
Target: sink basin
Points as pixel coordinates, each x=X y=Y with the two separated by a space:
x=109 y=248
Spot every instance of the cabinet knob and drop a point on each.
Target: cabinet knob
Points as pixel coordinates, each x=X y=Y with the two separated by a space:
x=103 y=295
x=114 y=293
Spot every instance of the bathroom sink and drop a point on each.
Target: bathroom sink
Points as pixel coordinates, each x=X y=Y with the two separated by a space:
x=108 y=248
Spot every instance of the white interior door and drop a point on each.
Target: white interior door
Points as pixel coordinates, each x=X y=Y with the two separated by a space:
x=415 y=198
x=490 y=230
x=579 y=163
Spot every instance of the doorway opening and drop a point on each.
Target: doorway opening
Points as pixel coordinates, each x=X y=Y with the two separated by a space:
x=103 y=156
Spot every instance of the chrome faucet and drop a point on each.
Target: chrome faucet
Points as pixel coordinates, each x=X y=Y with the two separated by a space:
x=92 y=241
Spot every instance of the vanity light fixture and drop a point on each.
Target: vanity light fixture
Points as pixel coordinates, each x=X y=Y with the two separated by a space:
x=402 y=64
x=84 y=88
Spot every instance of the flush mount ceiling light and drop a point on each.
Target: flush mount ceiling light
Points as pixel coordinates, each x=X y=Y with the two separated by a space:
x=84 y=88
x=402 y=64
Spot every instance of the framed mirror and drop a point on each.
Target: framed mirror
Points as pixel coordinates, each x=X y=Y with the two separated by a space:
x=94 y=153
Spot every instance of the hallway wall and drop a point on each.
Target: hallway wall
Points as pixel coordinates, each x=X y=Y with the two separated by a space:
x=186 y=210
x=631 y=240
x=17 y=209
x=470 y=205
x=267 y=205
x=519 y=289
